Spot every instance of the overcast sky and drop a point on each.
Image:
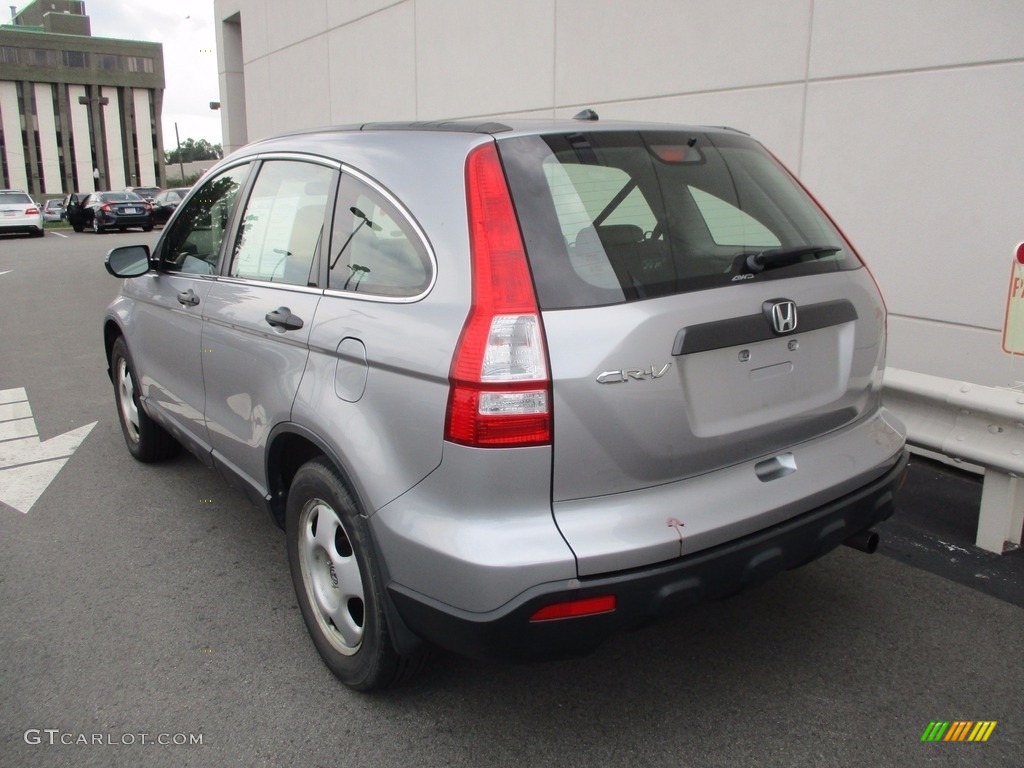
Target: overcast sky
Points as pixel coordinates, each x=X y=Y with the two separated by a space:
x=185 y=27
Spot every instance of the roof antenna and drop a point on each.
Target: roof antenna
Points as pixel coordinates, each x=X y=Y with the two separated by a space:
x=586 y=114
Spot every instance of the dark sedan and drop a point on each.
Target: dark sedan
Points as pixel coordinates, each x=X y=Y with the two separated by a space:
x=166 y=202
x=117 y=210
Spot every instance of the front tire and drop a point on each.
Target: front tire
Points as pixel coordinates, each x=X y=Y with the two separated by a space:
x=147 y=441
x=333 y=567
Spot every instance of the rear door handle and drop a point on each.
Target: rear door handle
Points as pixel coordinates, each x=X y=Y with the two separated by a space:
x=188 y=298
x=282 y=317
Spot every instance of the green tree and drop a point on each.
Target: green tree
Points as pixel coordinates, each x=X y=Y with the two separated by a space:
x=195 y=150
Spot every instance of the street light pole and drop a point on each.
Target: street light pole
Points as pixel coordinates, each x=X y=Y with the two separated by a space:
x=181 y=165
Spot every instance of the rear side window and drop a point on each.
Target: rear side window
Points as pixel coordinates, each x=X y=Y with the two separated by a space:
x=610 y=217
x=375 y=249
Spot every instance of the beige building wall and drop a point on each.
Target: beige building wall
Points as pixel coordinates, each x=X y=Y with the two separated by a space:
x=11 y=122
x=47 y=121
x=905 y=117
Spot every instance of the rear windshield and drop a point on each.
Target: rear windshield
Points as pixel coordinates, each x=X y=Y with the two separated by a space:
x=14 y=197
x=120 y=197
x=611 y=217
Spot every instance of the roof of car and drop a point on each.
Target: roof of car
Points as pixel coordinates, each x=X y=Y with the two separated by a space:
x=517 y=126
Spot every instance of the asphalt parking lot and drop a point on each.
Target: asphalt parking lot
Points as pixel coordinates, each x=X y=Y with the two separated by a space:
x=155 y=600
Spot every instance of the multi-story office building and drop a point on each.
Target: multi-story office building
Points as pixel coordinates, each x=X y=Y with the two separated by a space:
x=77 y=112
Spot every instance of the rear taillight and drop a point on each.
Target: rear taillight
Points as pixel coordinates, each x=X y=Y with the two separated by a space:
x=106 y=207
x=31 y=211
x=500 y=392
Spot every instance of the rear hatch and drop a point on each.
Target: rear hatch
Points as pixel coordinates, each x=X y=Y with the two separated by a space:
x=700 y=310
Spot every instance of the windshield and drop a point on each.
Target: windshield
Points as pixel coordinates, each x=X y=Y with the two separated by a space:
x=622 y=216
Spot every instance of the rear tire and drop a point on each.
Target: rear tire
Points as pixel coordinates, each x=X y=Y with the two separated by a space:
x=96 y=228
x=147 y=441
x=334 y=571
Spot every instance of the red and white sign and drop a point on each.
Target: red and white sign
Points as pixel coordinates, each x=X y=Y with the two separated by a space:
x=1013 y=325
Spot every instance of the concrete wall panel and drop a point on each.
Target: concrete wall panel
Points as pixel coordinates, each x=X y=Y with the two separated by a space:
x=648 y=48
x=12 y=127
x=907 y=164
x=259 y=102
x=853 y=38
x=52 y=183
x=292 y=21
x=475 y=58
x=339 y=13
x=147 y=174
x=80 y=131
x=299 y=90
x=368 y=80
x=115 y=155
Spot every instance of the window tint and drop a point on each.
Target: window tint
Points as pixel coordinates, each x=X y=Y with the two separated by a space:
x=193 y=242
x=374 y=248
x=614 y=216
x=282 y=223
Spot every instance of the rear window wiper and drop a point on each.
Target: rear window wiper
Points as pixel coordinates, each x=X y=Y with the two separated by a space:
x=785 y=256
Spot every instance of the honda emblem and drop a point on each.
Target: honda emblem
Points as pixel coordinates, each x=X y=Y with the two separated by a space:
x=781 y=313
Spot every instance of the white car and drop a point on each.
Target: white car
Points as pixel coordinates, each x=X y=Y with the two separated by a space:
x=19 y=213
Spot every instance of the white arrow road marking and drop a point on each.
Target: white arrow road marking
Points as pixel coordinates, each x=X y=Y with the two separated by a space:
x=58 y=234
x=27 y=464
x=6 y=272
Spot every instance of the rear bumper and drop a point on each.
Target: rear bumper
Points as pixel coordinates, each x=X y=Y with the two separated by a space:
x=26 y=227
x=644 y=594
x=141 y=220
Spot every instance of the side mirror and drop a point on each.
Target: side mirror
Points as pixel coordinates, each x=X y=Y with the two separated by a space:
x=128 y=261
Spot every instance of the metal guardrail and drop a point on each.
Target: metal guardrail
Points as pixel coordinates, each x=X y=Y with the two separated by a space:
x=969 y=423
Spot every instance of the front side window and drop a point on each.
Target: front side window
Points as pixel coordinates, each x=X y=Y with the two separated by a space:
x=375 y=250
x=282 y=223
x=192 y=244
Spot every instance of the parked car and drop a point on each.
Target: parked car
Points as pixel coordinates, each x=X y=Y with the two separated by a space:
x=19 y=213
x=165 y=203
x=146 y=193
x=73 y=213
x=117 y=210
x=53 y=210
x=509 y=388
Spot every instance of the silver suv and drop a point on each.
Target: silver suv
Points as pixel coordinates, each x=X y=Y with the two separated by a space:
x=511 y=388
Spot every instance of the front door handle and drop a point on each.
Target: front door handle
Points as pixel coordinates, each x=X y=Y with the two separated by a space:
x=282 y=317
x=188 y=298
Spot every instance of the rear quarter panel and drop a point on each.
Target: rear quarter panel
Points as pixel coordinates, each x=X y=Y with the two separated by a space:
x=389 y=433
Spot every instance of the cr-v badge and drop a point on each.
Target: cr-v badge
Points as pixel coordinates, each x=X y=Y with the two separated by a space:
x=637 y=374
